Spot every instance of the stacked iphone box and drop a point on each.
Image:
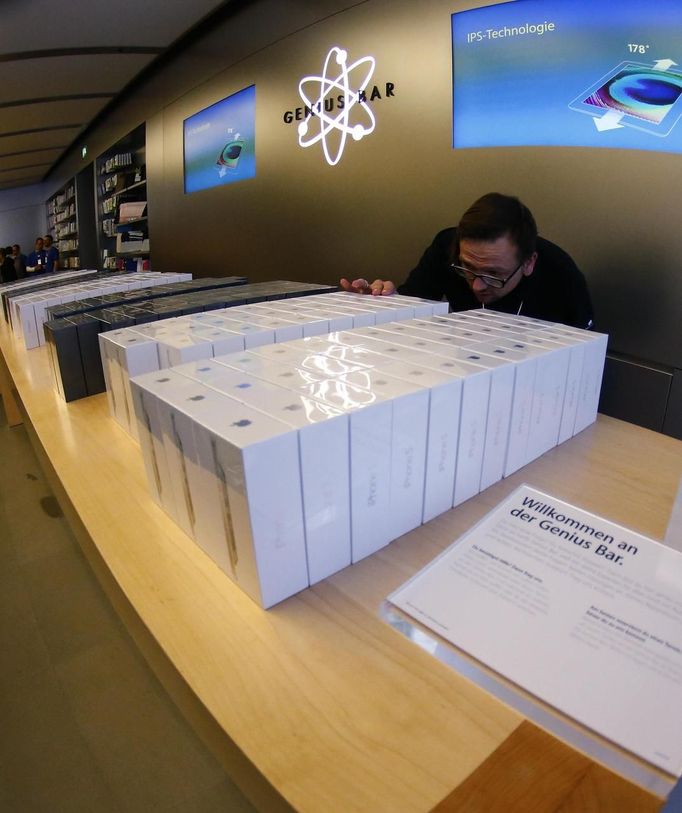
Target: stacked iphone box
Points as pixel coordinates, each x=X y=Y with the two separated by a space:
x=72 y=330
x=287 y=462
x=71 y=327
x=28 y=312
x=31 y=285
x=145 y=297
x=192 y=337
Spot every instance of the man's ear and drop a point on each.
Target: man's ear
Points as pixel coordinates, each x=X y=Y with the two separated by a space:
x=530 y=264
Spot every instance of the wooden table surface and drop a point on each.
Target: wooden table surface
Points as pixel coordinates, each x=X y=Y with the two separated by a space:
x=318 y=704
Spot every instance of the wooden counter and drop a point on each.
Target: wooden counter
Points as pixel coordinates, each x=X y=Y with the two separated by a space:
x=318 y=703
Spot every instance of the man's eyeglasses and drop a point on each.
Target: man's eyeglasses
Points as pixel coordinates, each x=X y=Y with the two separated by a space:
x=492 y=282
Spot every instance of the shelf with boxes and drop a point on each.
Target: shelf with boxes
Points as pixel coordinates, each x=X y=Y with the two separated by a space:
x=123 y=233
x=62 y=224
x=71 y=221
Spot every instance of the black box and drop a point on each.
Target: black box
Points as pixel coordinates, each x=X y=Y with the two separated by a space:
x=111 y=319
x=88 y=329
x=192 y=307
x=143 y=315
x=65 y=358
x=58 y=311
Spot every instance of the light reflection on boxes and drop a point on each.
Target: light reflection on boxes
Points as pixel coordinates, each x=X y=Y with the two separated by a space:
x=205 y=335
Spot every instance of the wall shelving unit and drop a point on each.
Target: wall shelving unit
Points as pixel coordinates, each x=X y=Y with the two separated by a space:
x=71 y=221
x=121 y=182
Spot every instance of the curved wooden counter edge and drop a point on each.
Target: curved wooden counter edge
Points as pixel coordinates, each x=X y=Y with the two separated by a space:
x=245 y=775
x=316 y=702
x=8 y=395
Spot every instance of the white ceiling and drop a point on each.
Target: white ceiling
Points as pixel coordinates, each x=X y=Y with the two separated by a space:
x=63 y=61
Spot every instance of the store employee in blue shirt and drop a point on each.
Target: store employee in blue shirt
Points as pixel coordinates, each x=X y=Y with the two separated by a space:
x=37 y=259
x=52 y=252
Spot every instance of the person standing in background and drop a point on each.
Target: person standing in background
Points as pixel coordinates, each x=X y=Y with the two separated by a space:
x=35 y=262
x=7 y=272
x=19 y=261
x=52 y=255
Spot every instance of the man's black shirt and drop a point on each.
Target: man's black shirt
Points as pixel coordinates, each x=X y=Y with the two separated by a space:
x=555 y=291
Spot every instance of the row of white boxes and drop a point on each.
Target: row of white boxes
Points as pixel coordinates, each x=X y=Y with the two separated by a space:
x=43 y=279
x=12 y=289
x=27 y=312
x=288 y=462
x=131 y=351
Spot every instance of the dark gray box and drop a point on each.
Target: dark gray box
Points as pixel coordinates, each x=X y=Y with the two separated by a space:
x=61 y=337
x=88 y=328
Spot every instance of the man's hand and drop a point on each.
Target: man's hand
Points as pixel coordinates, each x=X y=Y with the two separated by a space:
x=379 y=287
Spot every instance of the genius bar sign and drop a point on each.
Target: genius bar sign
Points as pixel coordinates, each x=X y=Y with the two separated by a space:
x=336 y=104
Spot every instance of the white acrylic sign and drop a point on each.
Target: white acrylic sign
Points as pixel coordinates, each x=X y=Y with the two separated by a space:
x=581 y=612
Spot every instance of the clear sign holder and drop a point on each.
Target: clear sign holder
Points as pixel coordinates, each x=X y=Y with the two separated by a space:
x=673 y=536
x=546 y=717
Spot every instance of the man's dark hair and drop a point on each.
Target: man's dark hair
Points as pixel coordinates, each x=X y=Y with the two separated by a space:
x=495 y=215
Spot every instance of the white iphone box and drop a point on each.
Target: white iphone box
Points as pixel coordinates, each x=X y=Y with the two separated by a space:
x=323 y=437
x=126 y=353
x=445 y=401
x=549 y=390
x=409 y=431
x=370 y=417
x=151 y=442
x=254 y=507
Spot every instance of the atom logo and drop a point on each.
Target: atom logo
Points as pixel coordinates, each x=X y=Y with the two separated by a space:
x=327 y=94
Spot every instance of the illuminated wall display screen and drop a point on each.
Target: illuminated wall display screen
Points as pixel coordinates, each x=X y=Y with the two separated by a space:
x=591 y=73
x=220 y=142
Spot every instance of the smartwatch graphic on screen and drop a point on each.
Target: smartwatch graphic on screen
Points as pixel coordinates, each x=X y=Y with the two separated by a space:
x=230 y=154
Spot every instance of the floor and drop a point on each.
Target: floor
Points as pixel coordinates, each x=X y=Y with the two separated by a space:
x=84 y=724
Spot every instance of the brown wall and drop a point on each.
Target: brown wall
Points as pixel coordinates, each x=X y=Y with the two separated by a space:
x=615 y=211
